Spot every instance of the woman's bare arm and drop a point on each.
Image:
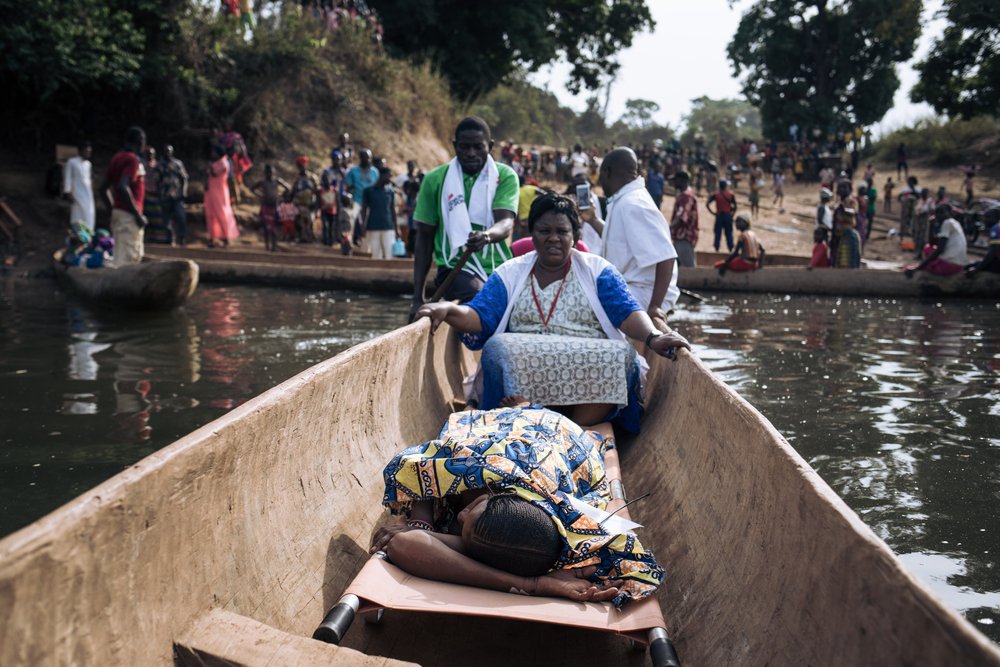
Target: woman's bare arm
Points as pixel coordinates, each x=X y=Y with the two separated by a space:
x=426 y=555
x=461 y=318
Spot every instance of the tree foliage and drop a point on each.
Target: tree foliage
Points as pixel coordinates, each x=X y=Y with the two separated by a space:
x=49 y=45
x=827 y=64
x=961 y=74
x=726 y=120
x=639 y=113
x=477 y=44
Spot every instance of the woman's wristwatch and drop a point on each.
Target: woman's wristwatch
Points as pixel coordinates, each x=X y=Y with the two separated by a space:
x=651 y=336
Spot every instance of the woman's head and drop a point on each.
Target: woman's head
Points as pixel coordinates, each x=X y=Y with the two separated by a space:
x=510 y=534
x=554 y=223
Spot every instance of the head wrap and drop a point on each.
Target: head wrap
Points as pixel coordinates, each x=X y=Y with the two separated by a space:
x=302 y=160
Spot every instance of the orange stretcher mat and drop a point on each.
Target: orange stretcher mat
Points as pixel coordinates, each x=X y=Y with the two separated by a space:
x=383 y=585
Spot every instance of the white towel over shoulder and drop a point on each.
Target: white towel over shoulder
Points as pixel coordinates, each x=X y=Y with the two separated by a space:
x=458 y=214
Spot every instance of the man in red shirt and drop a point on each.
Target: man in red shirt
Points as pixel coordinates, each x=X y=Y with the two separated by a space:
x=684 y=221
x=725 y=207
x=124 y=188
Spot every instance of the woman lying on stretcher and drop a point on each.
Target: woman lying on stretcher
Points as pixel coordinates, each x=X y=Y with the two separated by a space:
x=498 y=501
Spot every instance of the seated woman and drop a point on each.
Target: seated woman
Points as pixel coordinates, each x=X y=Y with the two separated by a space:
x=488 y=504
x=550 y=326
x=748 y=255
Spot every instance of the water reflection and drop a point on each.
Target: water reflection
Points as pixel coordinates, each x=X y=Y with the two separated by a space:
x=84 y=393
x=895 y=405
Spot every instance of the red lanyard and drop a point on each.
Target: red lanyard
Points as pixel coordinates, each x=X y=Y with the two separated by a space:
x=538 y=305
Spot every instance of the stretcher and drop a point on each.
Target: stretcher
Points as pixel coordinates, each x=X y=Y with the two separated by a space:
x=380 y=585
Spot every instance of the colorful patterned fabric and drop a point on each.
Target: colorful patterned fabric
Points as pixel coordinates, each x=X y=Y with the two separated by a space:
x=542 y=457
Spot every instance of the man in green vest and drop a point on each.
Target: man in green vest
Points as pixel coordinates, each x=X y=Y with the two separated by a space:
x=467 y=204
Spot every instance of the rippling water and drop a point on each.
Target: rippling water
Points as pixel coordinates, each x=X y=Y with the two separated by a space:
x=896 y=403
x=84 y=394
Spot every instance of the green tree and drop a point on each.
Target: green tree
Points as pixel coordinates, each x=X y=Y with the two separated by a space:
x=961 y=74
x=639 y=113
x=725 y=120
x=824 y=64
x=477 y=44
x=53 y=45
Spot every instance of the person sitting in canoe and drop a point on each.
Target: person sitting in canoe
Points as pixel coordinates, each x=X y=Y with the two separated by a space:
x=748 y=255
x=551 y=324
x=498 y=501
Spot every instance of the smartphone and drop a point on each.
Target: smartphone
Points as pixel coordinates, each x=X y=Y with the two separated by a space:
x=583 y=196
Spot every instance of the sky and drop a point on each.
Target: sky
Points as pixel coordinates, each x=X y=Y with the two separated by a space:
x=685 y=58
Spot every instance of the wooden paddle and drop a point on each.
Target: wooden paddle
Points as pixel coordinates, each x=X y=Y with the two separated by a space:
x=452 y=275
x=694 y=296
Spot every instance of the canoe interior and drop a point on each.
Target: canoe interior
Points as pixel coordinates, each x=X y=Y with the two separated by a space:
x=150 y=285
x=263 y=516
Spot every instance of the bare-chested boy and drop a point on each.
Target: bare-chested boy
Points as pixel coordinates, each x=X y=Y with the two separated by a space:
x=268 y=191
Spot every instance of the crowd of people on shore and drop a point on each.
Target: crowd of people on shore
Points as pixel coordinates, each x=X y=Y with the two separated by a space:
x=356 y=205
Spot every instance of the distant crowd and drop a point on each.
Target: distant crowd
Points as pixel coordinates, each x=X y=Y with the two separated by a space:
x=357 y=205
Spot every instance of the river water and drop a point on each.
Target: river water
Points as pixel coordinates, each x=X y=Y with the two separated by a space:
x=896 y=403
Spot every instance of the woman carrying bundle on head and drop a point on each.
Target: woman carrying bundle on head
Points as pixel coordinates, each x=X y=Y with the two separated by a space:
x=552 y=326
x=514 y=500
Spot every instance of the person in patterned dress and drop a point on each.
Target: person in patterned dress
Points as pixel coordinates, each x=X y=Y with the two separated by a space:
x=514 y=499
x=552 y=326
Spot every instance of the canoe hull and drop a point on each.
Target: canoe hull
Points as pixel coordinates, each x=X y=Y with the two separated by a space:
x=396 y=276
x=841 y=282
x=265 y=514
x=151 y=285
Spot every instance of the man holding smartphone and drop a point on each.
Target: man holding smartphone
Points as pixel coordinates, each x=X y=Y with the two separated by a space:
x=636 y=238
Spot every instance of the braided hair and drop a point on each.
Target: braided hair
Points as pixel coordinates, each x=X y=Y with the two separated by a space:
x=515 y=536
x=553 y=202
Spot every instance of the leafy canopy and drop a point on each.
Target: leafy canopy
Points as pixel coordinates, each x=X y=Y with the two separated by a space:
x=476 y=44
x=827 y=64
x=961 y=74
x=724 y=120
x=639 y=113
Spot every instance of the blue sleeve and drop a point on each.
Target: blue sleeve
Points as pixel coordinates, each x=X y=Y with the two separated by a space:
x=490 y=304
x=615 y=297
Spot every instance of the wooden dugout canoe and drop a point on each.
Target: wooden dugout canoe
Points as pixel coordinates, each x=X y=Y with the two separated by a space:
x=781 y=274
x=841 y=282
x=231 y=543
x=150 y=285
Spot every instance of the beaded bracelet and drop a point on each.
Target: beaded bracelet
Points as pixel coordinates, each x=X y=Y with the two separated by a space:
x=420 y=524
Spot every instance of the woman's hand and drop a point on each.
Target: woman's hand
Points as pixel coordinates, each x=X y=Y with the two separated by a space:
x=385 y=534
x=574 y=585
x=435 y=312
x=666 y=344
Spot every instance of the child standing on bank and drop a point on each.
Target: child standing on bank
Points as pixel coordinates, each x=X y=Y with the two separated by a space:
x=288 y=213
x=327 y=199
x=268 y=191
x=821 y=251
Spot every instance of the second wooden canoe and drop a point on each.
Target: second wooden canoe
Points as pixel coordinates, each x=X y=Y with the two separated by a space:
x=396 y=276
x=228 y=546
x=149 y=285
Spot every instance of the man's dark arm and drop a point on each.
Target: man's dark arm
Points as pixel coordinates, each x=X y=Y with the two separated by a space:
x=503 y=223
x=942 y=244
x=123 y=189
x=733 y=255
x=423 y=253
